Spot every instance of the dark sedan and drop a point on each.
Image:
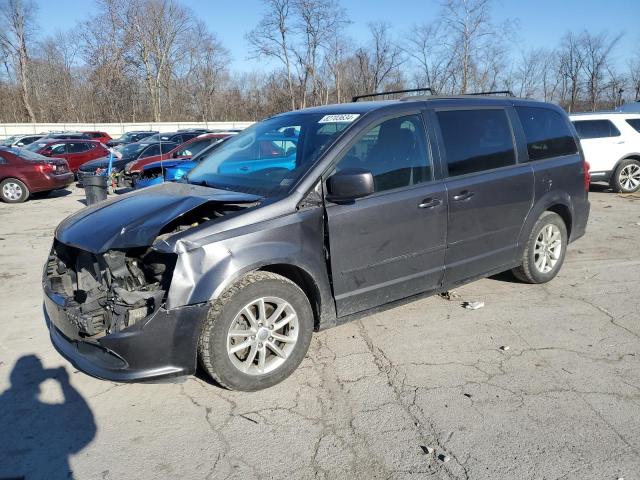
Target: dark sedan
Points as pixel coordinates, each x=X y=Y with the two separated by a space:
x=24 y=174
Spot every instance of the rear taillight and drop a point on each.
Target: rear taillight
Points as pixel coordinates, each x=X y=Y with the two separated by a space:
x=45 y=168
x=587 y=176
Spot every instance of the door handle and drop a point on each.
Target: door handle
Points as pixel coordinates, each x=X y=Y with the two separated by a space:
x=463 y=195
x=430 y=203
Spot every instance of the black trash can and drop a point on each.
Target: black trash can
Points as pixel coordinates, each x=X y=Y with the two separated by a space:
x=95 y=188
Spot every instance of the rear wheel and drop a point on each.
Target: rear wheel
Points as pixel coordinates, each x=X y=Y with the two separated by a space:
x=13 y=191
x=626 y=177
x=545 y=250
x=257 y=332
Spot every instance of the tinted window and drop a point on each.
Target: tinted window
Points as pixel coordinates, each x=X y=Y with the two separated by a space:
x=476 y=140
x=58 y=148
x=635 y=123
x=596 y=129
x=395 y=152
x=195 y=147
x=167 y=147
x=78 y=147
x=547 y=133
x=29 y=140
x=152 y=150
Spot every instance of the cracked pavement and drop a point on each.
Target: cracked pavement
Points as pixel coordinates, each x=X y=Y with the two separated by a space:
x=562 y=402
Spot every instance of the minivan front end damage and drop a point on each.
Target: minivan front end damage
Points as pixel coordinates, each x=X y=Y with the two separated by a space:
x=107 y=313
x=107 y=283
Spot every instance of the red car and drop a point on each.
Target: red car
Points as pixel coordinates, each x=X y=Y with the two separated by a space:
x=102 y=137
x=183 y=151
x=75 y=152
x=24 y=174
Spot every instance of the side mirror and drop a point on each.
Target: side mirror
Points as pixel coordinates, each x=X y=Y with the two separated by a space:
x=349 y=184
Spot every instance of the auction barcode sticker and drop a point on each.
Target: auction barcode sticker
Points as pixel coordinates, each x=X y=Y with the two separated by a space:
x=343 y=117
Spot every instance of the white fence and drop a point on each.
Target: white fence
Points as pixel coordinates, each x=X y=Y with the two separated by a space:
x=113 y=129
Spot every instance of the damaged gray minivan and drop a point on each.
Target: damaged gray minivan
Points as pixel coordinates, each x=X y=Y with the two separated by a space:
x=307 y=220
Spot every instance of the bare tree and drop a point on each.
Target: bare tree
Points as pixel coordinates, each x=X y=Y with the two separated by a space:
x=572 y=60
x=427 y=45
x=468 y=22
x=16 y=29
x=597 y=51
x=380 y=60
x=634 y=77
x=271 y=38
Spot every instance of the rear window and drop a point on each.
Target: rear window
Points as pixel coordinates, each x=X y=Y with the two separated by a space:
x=635 y=123
x=547 y=133
x=596 y=129
x=476 y=140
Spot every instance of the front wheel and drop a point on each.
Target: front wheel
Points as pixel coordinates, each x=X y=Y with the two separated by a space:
x=545 y=250
x=257 y=332
x=626 y=177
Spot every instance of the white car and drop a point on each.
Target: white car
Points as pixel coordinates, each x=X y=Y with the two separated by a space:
x=611 y=145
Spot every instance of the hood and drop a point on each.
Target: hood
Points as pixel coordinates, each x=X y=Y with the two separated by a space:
x=103 y=162
x=137 y=218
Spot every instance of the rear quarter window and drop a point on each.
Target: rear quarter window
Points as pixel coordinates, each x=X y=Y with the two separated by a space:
x=547 y=133
x=595 y=129
x=635 y=123
x=476 y=140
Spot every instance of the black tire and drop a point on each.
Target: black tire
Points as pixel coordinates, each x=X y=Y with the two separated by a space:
x=8 y=192
x=212 y=346
x=528 y=271
x=617 y=181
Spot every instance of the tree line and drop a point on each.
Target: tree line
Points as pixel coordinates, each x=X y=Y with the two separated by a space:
x=154 y=60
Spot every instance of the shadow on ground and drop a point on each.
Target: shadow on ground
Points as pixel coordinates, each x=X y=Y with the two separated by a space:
x=37 y=438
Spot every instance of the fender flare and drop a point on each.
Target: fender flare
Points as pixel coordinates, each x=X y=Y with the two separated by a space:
x=549 y=201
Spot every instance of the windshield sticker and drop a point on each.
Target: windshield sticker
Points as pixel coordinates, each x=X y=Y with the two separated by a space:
x=343 y=117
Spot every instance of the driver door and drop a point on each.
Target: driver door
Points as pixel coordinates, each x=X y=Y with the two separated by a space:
x=389 y=245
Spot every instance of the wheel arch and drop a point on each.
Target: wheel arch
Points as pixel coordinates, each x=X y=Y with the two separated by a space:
x=557 y=202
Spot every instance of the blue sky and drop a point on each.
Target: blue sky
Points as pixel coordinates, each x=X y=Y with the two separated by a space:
x=541 y=22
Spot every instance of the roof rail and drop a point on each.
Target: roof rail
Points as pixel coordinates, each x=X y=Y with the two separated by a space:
x=507 y=93
x=393 y=92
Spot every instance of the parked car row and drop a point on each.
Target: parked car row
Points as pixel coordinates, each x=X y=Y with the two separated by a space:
x=85 y=153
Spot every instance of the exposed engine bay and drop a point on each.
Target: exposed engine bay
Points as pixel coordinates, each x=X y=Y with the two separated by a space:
x=108 y=292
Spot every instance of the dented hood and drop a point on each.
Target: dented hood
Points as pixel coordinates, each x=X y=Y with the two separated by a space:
x=136 y=219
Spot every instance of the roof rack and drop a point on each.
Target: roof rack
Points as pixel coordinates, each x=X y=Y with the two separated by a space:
x=393 y=92
x=507 y=93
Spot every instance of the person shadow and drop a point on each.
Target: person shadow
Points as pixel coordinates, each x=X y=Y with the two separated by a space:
x=37 y=438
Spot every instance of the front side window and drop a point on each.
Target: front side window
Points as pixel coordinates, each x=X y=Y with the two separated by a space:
x=167 y=147
x=476 y=140
x=195 y=147
x=595 y=129
x=547 y=133
x=635 y=123
x=151 y=151
x=395 y=152
x=267 y=158
x=58 y=148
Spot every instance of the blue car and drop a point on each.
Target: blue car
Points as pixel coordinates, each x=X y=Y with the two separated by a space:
x=274 y=151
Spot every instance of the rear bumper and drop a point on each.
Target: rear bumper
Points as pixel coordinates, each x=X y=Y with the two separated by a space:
x=162 y=345
x=53 y=182
x=580 y=219
x=600 y=176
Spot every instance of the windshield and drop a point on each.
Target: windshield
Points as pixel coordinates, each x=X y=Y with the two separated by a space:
x=35 y=146
x=267 y=158
x=132 y=150
x=10 y=140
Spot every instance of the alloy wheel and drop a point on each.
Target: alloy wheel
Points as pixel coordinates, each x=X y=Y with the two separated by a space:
x=548 y=248
x=262 y=336
x=629 y=177
x=12 y=191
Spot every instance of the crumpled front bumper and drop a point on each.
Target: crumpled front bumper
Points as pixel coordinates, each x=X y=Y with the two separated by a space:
x=163 y=344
